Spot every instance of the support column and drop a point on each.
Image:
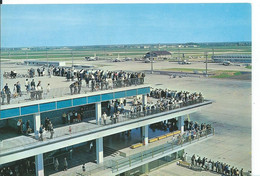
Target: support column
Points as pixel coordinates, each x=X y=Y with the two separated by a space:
x=37 y=124
x=98 y=113
x=39 y=165
x=145 y=168
x=99 y=150
x=145 y=134
x=180 y=124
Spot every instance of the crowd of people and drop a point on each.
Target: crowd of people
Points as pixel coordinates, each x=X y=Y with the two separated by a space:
x=182 y=97
x=214 y=166
x=12 y=74
x=23 y=128
x=35 y=91
x=48 y=127
x=72 y=116
x=23 y=167
x=94 y=79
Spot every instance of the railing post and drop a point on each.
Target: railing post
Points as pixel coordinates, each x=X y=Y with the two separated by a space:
x=172 y=145
x=152 y=153
x=117 y=165
x=163 y=149
x=213 y=131
x=142 y=157
x=129 y=161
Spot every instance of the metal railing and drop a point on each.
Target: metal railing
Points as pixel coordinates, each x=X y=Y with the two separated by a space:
x=32 y=95
x=159 y=150
x=127 y=116
x=115 y=166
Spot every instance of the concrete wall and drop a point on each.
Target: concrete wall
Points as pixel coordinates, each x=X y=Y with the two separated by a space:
x=2 y=123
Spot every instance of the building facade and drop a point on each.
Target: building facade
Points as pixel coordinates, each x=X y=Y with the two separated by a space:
x=239 y=58
x=158 y=54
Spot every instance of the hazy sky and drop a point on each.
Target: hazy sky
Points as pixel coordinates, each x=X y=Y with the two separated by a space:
x=95 y=24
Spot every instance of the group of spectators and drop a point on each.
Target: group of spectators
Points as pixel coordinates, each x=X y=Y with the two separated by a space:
x=11 y=75
x=195 y=126
x=35 y=91
x=24 y=167
x=182 y=98
x=72 y=116
x=94 y=79
x=57 y=164
x=47 y=127
x=100 y=80
x=219 y=167
x=23 y=128
x=6 y=92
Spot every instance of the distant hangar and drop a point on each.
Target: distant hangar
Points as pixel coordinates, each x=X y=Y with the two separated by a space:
x=240 y=58
x=158 y=54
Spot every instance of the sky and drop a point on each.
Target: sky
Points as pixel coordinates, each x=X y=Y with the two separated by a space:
x=111 y=24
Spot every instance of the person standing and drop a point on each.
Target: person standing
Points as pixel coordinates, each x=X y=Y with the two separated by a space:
x=56 y=164
x=18 y=88
x=3 y=96
x=104 y=117
x=48 y=88
x=41 y=132
x=8 y=94
x=6 y=87
x=28 y=129
x=83 y=167
x=51 y=130
x=64 y=118
x=125 y=102
x=65 y=164
x=19 y=123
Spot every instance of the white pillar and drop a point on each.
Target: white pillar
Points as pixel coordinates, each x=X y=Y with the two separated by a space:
x=145 y=134
x=98 y=113
x=1 y=80
x=37 y=124
x=99 y=150
x=145 y=99
x=145 y=168
x=39 y=168
x=180 y=124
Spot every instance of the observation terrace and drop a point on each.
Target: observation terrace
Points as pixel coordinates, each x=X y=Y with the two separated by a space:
x=21 y=147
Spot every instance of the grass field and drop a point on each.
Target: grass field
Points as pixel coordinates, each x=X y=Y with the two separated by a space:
x=190 y=53
x=213 y=73
x=189 y=70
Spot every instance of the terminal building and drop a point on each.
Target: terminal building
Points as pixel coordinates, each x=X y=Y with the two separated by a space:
x=45 y=63
x=237 y=58
x=140 y=155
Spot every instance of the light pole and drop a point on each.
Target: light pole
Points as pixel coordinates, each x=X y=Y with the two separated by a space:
x=206 y=54
x=47 y=57
x=72 y=59
x=150 y=57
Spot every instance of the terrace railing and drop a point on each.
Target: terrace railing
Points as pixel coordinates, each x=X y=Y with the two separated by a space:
x=33 y=95
x=115 y=166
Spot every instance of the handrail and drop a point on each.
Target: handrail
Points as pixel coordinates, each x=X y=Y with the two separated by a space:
x=162 y=149
x=125 y=119
x=33 y=95
x=116 y=165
